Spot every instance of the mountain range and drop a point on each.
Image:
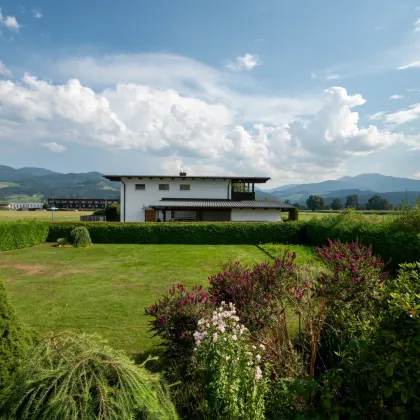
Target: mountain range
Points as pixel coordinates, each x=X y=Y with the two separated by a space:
x=25 y=183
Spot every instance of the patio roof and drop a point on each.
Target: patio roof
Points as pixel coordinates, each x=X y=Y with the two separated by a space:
x=250 y=179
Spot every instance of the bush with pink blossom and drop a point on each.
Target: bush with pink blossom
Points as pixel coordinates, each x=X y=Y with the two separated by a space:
x=229 y=366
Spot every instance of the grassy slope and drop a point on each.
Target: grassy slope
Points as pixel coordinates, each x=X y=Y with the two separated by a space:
x=59 y=216
x=105 y=288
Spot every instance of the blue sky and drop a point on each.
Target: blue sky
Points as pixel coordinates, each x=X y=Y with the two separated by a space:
x=299 y=91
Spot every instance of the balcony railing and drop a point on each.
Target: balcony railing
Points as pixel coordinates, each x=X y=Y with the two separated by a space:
x=243 y=196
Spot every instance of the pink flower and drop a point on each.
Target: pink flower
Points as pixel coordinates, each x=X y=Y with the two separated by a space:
x=234 y=337
x=214 y=337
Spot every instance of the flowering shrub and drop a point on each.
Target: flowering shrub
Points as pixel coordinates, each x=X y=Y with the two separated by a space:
x=175 y=318
x=252 y=291
x=230 y=368
x=356 y=275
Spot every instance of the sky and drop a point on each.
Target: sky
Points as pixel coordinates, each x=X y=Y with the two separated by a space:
x=299 y=91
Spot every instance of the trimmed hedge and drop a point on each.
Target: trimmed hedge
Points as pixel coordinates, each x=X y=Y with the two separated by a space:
x=185 y=233
x=14 y=235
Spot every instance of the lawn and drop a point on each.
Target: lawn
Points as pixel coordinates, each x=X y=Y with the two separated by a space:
x=59 y=216
x=105 y=288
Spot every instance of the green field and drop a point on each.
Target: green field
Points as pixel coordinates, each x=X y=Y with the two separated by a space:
x=104 y=289
x=59 y=216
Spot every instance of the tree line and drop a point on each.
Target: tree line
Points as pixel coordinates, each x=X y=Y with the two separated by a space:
x=316 y=202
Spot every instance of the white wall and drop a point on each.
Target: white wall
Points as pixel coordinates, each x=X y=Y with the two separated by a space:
x=16 y=206
x=137 y=200
x=255 y=215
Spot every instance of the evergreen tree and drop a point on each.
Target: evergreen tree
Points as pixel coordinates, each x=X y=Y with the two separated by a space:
x=14 y=342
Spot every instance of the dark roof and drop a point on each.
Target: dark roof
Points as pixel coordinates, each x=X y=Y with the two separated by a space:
x=173 y=203
x=255 y=179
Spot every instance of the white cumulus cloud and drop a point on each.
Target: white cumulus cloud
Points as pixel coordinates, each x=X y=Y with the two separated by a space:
x=404 y=116
x=10 y=22
x=54 y=147
x=244 y=63
x=395 y=97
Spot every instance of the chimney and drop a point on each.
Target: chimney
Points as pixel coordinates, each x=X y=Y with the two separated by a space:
x=182 y=173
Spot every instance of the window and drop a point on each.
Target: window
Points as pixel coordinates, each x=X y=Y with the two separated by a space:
x=185 y=187
x=140 y=187
x=164 y=187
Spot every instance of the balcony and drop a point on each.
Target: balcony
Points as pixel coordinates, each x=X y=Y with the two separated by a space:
x=243 y=196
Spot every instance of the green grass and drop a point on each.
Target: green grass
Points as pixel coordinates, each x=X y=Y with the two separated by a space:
x=59 y=216
x=304 y=254
x=105 y=288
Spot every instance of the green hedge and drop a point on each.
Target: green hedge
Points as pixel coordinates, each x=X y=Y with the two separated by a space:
x=185 y=233
x=394 y=247
x=14 y=235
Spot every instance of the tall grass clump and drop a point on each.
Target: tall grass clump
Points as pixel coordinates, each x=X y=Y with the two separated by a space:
x=73 y=376
x=80 y=237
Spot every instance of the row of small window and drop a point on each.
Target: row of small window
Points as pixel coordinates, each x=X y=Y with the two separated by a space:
x=165 y=187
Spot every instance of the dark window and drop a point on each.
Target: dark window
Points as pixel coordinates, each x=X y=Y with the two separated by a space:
x=140 y=186
x=164 y=187
x=185 y=187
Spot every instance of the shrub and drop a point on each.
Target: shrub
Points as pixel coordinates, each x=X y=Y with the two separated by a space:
x=112 y=213
x=80 y=237
x=252 y=290
x=185 y=233
x=294 y=214
x=15 y=235
x=176 y=316
x=14 y=343
x=229 y=367
x=72 y=376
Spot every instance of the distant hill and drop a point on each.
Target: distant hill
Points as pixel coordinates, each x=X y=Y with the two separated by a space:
x=365 y=185
x=38 y=181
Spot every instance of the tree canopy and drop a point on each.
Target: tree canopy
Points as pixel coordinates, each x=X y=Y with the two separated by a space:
x=352 y=201
x=315 y=202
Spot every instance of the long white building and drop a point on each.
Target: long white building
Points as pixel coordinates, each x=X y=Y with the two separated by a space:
x=25 y=206
x=149 y=198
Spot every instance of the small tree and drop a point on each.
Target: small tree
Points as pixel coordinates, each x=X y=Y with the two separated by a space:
x=112 y=213
x=14 y=342
x=337 y=204
x=315 y=202
x=45 y=206
x=377 y=203
x=294 y=214
x=352 y=201
x=80 y=237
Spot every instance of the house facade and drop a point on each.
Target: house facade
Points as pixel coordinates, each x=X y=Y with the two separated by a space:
x=150 y=198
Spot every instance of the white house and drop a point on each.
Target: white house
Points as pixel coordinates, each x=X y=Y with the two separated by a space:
x=149 y=198
x=26 y=206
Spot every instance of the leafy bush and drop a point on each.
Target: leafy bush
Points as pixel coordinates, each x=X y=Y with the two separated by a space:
x=14 y=343
x=80 y=237
x=252 y=290
x=229 y=367
x=176 y=316
x=72 y=376
x=185 y=233
x=112 y=213
x=294 y=214
x=15 y=235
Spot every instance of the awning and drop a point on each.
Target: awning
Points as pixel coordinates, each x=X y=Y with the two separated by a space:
x=193 y=204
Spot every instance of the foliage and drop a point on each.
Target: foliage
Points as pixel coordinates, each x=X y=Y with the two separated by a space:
x=337 y=204
x=297 y=205
x=112 y=213
x=14 y=343
x=80 y=237
x=15 y=235
x=379 y=377
x=45 y=205
x=72 y=376
x=176 y=316
x=229 y=367
x=407 y=220
x=62 y=241
x=252 y=290
x=378 y=203
x=229 y=233
x=315 y=202
x=294 y=214
x=352 y=201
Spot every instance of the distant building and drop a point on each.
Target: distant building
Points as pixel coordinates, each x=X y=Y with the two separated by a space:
x=25 y=206
x=81 y=203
